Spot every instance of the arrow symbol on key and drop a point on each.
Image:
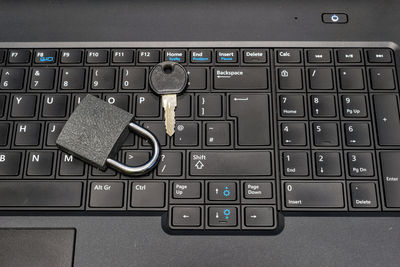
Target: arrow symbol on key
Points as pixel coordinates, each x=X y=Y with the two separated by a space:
x=253 y=216
x=185 y=216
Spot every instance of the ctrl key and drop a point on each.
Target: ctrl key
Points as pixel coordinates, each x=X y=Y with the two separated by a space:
x=184 y=216
x=148 y=195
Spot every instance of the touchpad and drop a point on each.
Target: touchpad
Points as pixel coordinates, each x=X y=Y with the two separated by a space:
x=37 y=247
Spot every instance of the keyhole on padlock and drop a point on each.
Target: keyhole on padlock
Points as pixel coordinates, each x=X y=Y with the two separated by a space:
x=167 y=68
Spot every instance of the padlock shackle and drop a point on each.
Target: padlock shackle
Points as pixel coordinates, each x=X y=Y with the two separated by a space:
x=148 y=166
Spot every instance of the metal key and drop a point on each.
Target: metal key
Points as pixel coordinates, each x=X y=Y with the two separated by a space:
x=168 y=79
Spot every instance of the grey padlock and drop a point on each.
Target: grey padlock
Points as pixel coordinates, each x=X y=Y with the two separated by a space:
x=96 y=131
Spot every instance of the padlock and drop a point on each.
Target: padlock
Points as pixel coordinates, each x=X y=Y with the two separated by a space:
x=96 y=131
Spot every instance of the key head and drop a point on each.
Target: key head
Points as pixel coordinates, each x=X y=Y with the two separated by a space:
x=168 y=77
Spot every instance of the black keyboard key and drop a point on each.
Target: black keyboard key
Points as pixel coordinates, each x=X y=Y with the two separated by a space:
x=382 y=79
x=200 y=56
x=387 y=119
x=218 y=134
x=40 y=163
x=70 y=166
x=293 y=134
x=12 y=79
x=3 y=102
x=41 y=194
x=288 y=56
x=28 y=134
x=328 y=164
x=357 y=134
x=220 y=191
x=171 y=164
x=4 y=133
x=107 y=195
x=148 y=194
x=258 y=216
x=147 y=105
x=290 y=78
x=255 y=56
x=103 y=79
x=209 y=105
x=354 y=106
x=320 y=78
x=53 y=131
x=295 y=163
x=20 y=56
x=106 y=174
x=55 y=106
x=323 y=106
x=99 y=56
x=360 y=164
x=240 y=78
x=122 y=56
x=73 y=79
x=246 y=107
x=10 y=163
x=158 y=129
x=184 y=109
x=230 y=163
x=351 y=78
x=291 y=106
x=363 y=195
x=186 y=190
x=71 y=56
x=390 y=162
x=148 y=56
x=23 y=106
x=379 y=56
x=319 y=56
x=187 y=134
x=120 y=100
x=257 y=190
x=349 y=56
x=43 y=78
x=314 y=195
x=45 y=56
x=227 y=56
x=133 y=78
x=183 y=216
x=175 y=55
x=197 y=78
x=2 y=55
x=325 y=134
x=137 y=158
x=222 y=216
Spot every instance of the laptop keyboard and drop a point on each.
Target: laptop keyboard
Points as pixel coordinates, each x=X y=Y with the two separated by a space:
x=261 y=133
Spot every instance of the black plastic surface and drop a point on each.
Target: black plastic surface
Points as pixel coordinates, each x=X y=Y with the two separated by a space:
x=140 y=241
x=37 y=247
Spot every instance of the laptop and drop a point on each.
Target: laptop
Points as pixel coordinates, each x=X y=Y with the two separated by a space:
x=284 y=152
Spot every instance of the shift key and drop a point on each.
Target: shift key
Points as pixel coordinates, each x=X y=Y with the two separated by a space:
x=240 y=78
x=230 y=163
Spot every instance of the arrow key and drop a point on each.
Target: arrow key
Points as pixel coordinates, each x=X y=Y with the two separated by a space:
x=183 y=216
x=220 y=191
x=259 y=216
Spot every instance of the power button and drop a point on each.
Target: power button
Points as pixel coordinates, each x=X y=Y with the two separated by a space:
x=338 y=18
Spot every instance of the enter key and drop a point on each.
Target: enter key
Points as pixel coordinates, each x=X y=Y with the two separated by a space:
x=253 y=118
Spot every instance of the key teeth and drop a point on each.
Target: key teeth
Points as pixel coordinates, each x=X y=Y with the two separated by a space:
x=170 y=126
